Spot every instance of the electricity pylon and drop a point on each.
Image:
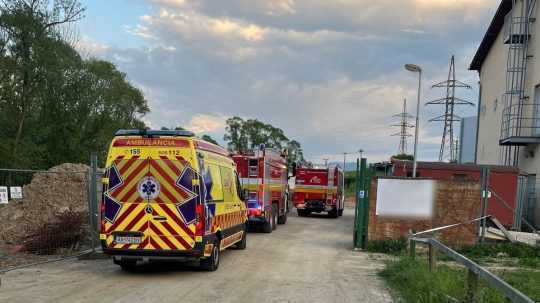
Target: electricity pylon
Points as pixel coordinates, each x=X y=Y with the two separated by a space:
x=449 y=117
x=404 y=126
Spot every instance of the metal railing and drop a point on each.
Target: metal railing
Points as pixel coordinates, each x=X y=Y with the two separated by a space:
x=475 y=271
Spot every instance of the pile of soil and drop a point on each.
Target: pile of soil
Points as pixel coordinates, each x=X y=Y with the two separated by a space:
x=63 y=188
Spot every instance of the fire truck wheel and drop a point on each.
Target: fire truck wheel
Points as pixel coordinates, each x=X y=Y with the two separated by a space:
x=268 y=225
x=274 y=216
x=243 y=243
x=212 y=263
x=333 y=213
x=282 y=219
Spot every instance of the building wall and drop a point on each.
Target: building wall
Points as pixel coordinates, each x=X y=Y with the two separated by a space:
x=492 y=82
x=493 y=86
x=455 y=202
x=503 y=182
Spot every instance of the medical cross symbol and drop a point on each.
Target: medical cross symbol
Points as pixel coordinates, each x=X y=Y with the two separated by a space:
x=148 y=188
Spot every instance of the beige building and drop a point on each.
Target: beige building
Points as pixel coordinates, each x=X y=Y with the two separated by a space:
x=508 y=63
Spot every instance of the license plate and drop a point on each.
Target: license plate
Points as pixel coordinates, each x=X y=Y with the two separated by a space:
x=127 y=240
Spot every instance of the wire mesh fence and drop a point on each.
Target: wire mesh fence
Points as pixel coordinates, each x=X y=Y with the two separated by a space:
x=47 y=215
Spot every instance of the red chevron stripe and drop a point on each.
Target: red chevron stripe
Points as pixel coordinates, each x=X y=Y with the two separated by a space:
x=144 y=242
x=177 y=220
x=122 y=217
x=135 y=220
x=169 y=195
x=162 y=237
x=171 y=165
x=144 y=227
x=155 y=244
x=167 y=178
x=184 y=243
x=129 y=179
x=128 y=164
x=125 y=246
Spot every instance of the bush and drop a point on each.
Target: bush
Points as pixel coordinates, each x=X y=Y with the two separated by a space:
x=390 y=246
x=65 y=233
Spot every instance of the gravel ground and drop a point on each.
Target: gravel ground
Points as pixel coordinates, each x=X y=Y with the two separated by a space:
x=306 y=260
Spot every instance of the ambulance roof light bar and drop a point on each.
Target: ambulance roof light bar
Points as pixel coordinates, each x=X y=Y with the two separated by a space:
x=154 y=133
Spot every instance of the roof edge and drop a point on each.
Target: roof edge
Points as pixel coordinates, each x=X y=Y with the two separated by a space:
x=491 y=34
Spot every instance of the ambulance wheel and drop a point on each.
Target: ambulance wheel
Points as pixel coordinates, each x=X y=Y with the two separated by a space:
x=243 y=243
x=282 y=219
x=340 y=212
x=212 y=263
x=274 y=216
x=333 y=213
x=302 y=213
x=127 y=265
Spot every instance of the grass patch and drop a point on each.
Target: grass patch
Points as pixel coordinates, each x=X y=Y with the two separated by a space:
x=525 y=255
x=413 y=282
x=391 y=247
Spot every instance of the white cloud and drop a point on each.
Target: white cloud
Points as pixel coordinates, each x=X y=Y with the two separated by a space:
x=204 y=124
x=328 y=72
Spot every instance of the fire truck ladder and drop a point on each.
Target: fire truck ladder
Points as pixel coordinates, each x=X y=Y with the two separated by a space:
x=253 y=172
x=520 y=121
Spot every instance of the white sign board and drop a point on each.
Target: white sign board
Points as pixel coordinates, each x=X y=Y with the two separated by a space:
x=4 y=195
x=405 y=198
x=16 y=192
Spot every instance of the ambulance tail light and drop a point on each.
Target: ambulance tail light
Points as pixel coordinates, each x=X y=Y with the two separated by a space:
x=102 y=212
x=199 y=228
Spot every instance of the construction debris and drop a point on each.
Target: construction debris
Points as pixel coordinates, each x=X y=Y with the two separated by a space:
x=60 y=190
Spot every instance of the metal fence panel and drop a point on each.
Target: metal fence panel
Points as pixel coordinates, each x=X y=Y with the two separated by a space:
x=49 y=214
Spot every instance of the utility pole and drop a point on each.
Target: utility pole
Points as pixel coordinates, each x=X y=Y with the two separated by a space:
x=326 y=161
x=449 y=117
x=404 y=125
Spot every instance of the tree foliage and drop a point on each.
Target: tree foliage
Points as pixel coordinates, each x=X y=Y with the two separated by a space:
x=244 y=135
x=209 y=138
x=56 y=106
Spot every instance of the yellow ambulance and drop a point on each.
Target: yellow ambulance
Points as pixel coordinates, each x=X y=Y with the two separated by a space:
x=169 y=196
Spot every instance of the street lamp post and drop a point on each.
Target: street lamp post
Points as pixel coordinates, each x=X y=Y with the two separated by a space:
x=361 y=151
x=416 y=69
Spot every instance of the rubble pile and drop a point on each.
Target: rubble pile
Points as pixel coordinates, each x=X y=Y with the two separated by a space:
x=63 y=188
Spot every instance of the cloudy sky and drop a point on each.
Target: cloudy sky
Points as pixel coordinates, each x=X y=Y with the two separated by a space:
x=328 y=72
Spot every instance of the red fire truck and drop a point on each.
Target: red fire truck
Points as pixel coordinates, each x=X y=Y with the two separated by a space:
x=264 y=175
x=319 y=190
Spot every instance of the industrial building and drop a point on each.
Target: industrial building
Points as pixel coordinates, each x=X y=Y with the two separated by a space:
x=508 y=65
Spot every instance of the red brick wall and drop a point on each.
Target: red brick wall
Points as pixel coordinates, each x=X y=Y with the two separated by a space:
x=456 y=201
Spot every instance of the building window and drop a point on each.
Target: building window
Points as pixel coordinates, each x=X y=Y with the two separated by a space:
x=495 y=104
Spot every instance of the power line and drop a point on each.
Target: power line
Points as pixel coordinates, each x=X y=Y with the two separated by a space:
x=449 y=117
x=404 y=126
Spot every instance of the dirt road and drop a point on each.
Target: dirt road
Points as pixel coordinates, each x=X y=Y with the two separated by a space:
x=307 y=260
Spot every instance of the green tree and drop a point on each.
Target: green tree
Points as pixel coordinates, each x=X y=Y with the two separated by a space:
x=26 y=30
x=243 y=135
x=208 y=138
x=56 y=107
